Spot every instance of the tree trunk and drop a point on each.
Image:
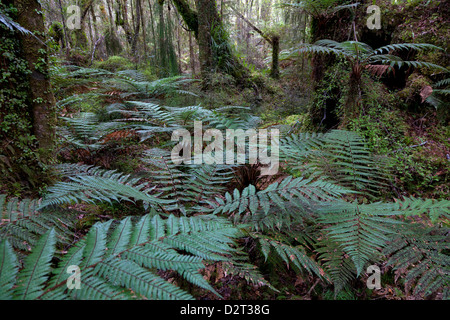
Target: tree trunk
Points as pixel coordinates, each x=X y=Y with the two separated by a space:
x=125 y=24
x=27 y=105
x=191 y=53
x=80 y=34
x=206 y=22
x=137 y=26
x=215 y=53
x=66 y=39
x=43 y=102
x=275 y=72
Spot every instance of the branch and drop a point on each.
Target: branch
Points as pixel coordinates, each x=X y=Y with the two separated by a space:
x=252 y=25
x=95 y=47
x=189 y=16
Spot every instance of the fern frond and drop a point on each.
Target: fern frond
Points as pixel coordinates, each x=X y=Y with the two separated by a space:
x=318 y=49
x=13 y=209
x=95 y=244
x=348 y=162
x=23 y=222
x=142 y=282
x=96 y=288
x=336 y=263
x=248 y=272
x=8 y=270
x=14 y=26
x=189 y=186
x=299 y=192
x=294 y=256
x=406 y=46
x=361 y=230
x=119 y=260
x=31 y=280
x=104 y=187
x=423 y=252
x=434 y=209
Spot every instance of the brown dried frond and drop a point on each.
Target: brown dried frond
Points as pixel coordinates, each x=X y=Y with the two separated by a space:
x=119 y=135
x=378 y=69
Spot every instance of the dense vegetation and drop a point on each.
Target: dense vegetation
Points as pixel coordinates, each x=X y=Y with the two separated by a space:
x=87 y=178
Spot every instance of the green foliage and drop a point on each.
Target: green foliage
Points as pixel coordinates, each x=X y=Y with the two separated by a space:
x=126 y=83
x=299 y=192
x=18 y=158
x=22 y=223
x=119 y=260
x=359 y=229
x=423 y=252
x=323 y=226
x=359 y=53
x=363 y=58
x=439 y=96
x=114 y=64
x=338 y=156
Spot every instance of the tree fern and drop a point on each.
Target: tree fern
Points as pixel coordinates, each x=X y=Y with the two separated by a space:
x=362 y=54
x=361 y=57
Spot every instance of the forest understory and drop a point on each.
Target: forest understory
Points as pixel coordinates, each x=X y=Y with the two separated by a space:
x=101 y=193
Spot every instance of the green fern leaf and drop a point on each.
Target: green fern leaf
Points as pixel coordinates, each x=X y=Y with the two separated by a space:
x=95 y=244
x=32 y=279
x=8 y=270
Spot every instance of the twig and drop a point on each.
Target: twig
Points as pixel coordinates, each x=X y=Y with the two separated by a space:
x=312 y=288
x=95 y=47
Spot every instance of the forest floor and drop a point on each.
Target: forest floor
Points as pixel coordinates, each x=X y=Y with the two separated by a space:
x=277 y=104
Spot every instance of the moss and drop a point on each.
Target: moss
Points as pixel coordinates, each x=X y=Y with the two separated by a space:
x=414 y=92
x=115 y=63
x=300 y=122
x=56 y=31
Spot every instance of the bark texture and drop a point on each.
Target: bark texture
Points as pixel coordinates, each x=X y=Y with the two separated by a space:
x=34 y=51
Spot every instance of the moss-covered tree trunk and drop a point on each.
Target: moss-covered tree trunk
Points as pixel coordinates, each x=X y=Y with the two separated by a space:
x=207 y=21
x=80 y=33
x=27 y=105
x=215 y=53
x=34 y=50
x=275 y=71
